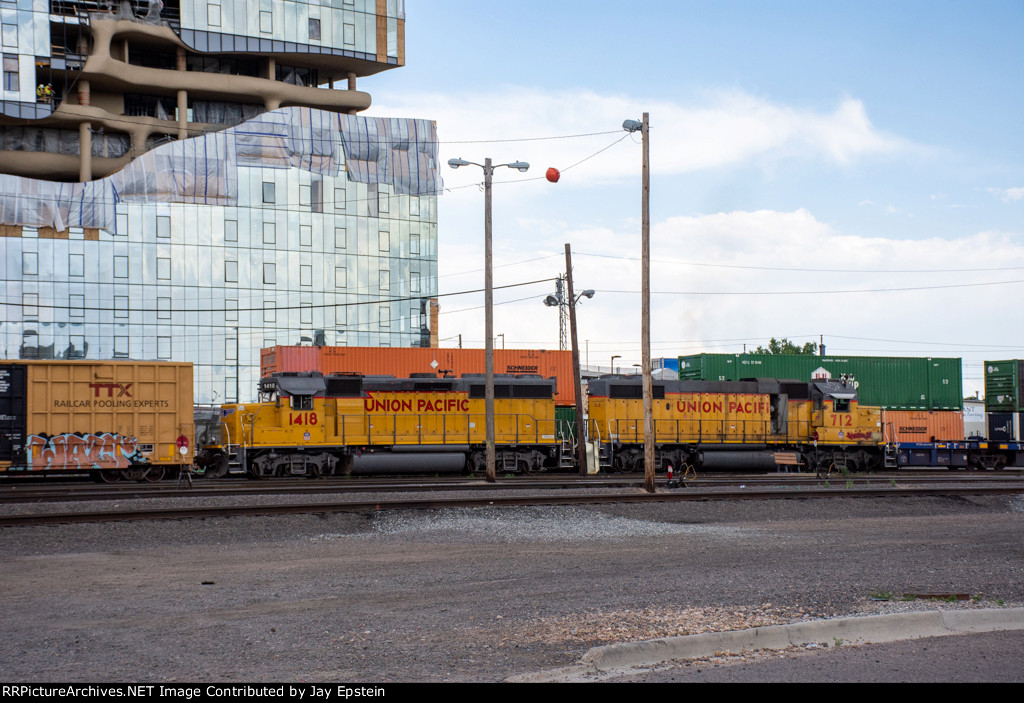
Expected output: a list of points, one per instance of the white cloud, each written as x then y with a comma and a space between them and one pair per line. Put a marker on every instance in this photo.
1008, 194
725, 129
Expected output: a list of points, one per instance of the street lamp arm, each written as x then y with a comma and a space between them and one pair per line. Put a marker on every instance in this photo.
521, 166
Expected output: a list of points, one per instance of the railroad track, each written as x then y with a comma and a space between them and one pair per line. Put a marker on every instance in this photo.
67, 492
686, 493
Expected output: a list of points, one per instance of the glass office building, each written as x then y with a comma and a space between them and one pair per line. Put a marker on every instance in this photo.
194, 183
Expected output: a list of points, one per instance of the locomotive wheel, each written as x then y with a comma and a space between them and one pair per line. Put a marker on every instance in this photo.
632, 463
217, 469
154, 475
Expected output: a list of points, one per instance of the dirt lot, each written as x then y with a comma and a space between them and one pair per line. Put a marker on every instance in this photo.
471, 595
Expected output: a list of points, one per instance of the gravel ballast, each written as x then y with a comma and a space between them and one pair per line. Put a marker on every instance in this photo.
474, 594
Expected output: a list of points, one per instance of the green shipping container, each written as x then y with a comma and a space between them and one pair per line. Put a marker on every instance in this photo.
565, 417
1004, 386
892, 382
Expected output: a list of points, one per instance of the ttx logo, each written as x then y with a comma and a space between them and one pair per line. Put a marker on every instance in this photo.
121, 388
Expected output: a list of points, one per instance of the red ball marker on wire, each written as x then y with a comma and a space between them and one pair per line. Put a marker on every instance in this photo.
552, 174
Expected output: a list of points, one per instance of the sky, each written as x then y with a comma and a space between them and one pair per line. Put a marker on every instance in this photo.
852, 172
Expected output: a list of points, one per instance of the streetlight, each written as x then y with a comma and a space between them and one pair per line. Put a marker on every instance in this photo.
570, 302
614, 357
560, 300
488, 168
644, 128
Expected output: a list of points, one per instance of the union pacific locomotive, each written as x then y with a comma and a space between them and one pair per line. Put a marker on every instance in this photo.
751, 424
310, 424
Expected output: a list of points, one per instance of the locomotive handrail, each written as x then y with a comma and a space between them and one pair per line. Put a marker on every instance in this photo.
373, 435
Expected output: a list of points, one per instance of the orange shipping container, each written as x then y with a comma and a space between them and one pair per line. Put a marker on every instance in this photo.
923, 425
403, 361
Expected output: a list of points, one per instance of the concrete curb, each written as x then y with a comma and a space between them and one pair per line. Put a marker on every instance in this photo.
605, 661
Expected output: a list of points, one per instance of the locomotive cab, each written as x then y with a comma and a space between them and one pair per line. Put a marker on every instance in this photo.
848, 432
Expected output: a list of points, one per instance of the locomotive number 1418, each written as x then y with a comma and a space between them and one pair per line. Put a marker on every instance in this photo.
302, 418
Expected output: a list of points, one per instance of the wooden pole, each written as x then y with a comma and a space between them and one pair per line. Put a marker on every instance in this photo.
581, 444
645, 332
489, 325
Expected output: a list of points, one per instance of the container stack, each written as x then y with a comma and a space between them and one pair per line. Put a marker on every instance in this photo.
1004, 391
921, 398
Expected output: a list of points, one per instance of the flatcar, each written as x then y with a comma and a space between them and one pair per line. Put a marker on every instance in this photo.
308, 424
735, 424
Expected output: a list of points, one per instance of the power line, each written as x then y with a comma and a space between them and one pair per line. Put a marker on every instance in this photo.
820, 292
300, 307
539, 178
804, 270
530, 139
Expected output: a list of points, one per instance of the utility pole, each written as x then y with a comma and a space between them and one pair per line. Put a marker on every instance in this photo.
645, 332
561, 312
488, 167
581, 444
490, 453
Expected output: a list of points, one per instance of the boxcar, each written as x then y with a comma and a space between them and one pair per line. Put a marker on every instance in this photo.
113, 419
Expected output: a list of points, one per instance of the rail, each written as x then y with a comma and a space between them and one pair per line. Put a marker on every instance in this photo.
693, 431
433, 429
631, 431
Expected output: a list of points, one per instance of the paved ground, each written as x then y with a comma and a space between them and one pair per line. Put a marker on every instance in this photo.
476, 595
976, 658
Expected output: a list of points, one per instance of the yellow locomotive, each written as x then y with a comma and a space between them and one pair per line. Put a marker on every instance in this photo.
735, 424
307, 424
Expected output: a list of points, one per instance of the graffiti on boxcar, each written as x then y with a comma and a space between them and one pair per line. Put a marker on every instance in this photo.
76, 451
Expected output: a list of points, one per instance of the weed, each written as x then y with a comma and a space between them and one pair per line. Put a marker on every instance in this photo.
892, 483
849, 484
881, 595
1000, 602
909, 597
838, 641
827, 484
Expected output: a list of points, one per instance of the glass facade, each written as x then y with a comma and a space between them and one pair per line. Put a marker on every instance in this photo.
208, 284
334, 24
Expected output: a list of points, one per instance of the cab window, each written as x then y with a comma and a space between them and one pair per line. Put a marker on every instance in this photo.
302, 402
